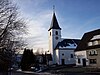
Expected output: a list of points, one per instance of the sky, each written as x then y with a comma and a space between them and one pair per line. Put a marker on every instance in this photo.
75, 17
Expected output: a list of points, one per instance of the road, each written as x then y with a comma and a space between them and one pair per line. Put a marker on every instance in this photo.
32, 73
29, 73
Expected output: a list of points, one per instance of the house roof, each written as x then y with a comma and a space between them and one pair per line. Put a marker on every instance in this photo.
86, 38
68, 43
54, 23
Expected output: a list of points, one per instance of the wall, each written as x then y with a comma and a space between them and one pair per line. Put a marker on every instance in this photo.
81, 55
53, 42
67, 56
97, 57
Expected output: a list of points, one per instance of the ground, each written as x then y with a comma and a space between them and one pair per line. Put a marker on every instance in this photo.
23, 73
61, 70
66, 71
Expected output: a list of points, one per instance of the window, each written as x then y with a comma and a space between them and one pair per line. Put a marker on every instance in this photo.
93, 53
95, 42
50, 33
79, 61
71, 55
56, 38
56, 32
99, 42
90, 52
62, 54
90, 44
93, 61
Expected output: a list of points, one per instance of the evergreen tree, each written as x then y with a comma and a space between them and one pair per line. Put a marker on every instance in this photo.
28, 59
44, 59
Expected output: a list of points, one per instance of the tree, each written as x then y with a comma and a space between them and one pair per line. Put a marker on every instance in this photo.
28, 59
44, 59
11, 28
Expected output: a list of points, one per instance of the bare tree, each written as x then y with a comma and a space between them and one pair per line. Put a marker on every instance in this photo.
11, 28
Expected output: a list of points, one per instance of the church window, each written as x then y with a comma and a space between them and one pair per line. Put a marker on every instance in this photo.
56, 38
62, 54
56, 32
50, 33
71, 55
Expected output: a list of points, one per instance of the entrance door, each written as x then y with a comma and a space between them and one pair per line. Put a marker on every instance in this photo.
84, 62
63, 61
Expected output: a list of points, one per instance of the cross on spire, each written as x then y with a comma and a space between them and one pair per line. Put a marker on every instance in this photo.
53, 8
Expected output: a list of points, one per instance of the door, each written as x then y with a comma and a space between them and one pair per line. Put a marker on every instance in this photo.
63, 61
84, 62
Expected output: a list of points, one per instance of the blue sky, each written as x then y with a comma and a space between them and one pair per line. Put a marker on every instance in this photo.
75, 17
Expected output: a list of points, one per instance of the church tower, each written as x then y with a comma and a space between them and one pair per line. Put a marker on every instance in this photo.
54, 36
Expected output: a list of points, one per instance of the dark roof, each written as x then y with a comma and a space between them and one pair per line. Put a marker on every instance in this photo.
86, 38
67, 42
54, 23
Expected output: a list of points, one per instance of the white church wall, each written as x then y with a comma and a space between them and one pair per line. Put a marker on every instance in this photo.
66, 55
80, 55
53, 42
57, 56
52, 38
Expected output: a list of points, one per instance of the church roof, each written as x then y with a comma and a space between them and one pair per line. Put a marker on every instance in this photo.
54, 23
83, 45
68, 43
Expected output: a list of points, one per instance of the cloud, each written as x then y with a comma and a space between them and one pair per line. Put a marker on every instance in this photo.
38, 21
38, 30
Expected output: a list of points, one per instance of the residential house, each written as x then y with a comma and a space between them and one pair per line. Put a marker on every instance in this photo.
88, 51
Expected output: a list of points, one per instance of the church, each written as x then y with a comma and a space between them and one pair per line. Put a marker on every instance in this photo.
61, 49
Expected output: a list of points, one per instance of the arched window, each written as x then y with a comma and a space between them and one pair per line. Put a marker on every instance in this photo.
50, 33
95, 52
56, 38
56, 32
90, 52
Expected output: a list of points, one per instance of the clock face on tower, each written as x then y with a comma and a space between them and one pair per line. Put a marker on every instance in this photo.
56, 38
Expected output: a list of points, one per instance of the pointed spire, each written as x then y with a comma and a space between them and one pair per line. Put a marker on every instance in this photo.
54, 23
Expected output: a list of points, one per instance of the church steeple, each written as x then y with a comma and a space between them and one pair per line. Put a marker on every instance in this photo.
54, 36
54, 23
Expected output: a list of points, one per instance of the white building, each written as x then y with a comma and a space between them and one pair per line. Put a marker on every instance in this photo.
62, 50
81, 58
